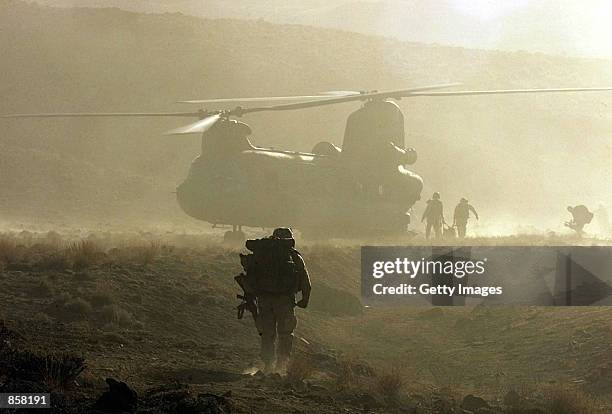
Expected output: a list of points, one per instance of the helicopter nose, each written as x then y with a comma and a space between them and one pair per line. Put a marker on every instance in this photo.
412, 185
187, 198
417, 183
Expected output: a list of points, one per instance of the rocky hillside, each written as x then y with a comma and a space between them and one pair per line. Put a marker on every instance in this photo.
157, 311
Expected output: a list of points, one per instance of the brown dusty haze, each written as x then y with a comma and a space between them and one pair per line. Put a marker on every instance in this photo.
519, 159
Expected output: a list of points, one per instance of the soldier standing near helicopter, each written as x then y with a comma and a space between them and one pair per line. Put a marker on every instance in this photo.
461, 216
434, 214
581, 216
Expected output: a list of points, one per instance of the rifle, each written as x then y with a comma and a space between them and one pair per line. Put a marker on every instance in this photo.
249, 301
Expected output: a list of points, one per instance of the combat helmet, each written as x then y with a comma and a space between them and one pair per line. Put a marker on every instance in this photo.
282, 233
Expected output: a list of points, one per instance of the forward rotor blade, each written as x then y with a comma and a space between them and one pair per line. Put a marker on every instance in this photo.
341, 93
102, 114
399, 93
197, 127
256, 99
508, 92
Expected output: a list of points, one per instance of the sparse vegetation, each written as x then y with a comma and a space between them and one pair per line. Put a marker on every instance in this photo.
101, 298
39, 372
144, 255
42, 288
183, 300
389, 383
77, 308
58, 260
42, 318
115, 315
84, 254
9, 253
568, 400
88, 380
346, 377
113, 337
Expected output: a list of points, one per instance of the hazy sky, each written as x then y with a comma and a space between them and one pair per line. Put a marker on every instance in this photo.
561, 26
570, 27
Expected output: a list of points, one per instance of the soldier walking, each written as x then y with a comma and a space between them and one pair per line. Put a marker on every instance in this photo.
581, 216
434, 214
462, 215
275, 273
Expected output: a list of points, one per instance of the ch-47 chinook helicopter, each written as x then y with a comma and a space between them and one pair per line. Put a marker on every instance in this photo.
362, 189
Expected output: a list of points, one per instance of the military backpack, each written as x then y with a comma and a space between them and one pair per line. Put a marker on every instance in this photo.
270, 267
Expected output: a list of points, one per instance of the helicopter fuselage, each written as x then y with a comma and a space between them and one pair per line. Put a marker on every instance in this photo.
364, 189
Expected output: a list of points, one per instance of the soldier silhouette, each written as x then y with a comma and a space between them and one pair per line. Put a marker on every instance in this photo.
581, 216
462, 215
276, 307
434, 214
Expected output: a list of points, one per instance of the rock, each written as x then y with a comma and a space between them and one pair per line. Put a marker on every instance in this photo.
213, 404
472, 403
119, 397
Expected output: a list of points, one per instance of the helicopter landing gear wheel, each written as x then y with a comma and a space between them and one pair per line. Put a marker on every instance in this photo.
234, 237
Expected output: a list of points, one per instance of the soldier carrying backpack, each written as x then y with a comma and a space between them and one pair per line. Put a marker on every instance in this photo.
581, 216
274, 273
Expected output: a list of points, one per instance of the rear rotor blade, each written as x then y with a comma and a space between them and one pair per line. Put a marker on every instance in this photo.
416, 92
196, 127
399, 93
507, 92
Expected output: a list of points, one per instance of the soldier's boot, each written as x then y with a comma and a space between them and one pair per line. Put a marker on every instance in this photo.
438, 231
267, 352
285, 346
461, 229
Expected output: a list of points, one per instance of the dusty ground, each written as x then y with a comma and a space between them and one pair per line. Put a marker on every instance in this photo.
156, 311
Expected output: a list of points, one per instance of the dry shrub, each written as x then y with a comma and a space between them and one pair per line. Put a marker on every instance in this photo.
566, 400
60, 372
43, 371
59, 261
89, 380
101, 297
112, 337
77, 308
145, 255
9, 252
61, 298
300, 368
42, 289
390, 383
115, 315
42, 318
347, 376
84, 254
